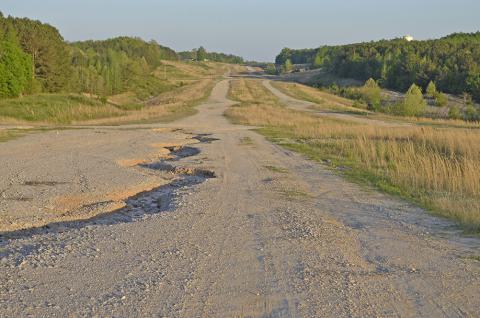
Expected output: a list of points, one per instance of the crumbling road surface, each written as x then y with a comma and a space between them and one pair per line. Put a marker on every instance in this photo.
228, 225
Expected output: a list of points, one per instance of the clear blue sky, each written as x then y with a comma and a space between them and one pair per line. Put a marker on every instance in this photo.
254, 29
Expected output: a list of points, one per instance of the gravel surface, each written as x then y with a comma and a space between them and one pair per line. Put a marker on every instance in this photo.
220, 233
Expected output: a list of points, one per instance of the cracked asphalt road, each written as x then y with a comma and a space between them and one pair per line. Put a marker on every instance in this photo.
296, 240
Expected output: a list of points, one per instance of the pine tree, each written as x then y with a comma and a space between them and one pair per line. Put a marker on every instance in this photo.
431, 90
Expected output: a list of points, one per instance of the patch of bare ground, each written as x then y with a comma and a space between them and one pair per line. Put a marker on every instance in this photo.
85, 184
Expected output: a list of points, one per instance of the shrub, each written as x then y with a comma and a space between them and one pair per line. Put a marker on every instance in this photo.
471, 113
413, 104
372, 94
441, 99
454, 113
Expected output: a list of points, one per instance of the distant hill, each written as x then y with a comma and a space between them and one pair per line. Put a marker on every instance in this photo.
453, 62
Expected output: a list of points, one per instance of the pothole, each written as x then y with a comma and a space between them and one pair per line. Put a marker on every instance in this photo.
179, 152
188, 171
194, 172
205, 138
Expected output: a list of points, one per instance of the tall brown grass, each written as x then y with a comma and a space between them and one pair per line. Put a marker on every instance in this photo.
438, 167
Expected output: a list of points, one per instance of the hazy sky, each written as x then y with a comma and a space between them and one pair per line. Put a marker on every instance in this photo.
254, 29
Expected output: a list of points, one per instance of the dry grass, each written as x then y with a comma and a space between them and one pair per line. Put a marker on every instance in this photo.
314, 95
166, 107
326, 101
186, 85
251, 92
437, 167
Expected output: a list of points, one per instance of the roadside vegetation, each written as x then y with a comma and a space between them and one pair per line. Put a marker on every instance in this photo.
394, 73
45, 80
438, 168
328, 100
453, 62
56, 108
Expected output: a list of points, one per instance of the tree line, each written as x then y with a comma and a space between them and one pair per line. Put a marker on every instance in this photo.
34, 58
452, 62
201, 54
116, 65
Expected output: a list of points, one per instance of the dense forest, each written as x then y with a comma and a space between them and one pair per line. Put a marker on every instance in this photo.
34, 58
452, 62
117, 65
201, 54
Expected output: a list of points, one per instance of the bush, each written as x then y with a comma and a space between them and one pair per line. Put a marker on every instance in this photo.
413, 104
454, 113
103, 100
358, 104
441, 99
372, 94
471, 113
271, 69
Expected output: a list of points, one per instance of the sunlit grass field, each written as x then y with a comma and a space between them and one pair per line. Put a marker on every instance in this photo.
436, 167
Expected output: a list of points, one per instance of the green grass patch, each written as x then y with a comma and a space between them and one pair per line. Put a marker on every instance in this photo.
56, 108
146, 87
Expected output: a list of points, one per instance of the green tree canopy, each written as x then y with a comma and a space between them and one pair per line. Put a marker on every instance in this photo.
452, 62
48, 51
372, 93
213, 56
288, 66
413, 104
15, 65
201, 54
